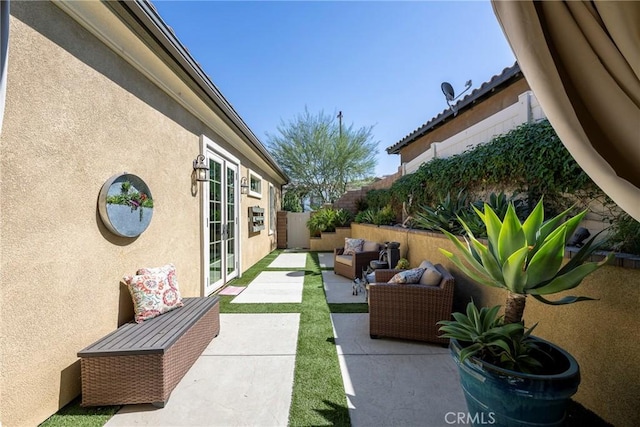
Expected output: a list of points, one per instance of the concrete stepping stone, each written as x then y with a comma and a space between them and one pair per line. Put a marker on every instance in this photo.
289, 260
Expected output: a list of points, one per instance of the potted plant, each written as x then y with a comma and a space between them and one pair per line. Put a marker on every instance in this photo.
403, 264
508, 375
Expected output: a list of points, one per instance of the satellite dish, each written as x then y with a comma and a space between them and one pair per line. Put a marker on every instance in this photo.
447, 89
449, 94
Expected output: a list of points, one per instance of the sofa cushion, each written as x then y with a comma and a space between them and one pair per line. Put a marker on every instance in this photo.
410, 277
370, 246
351, 246
431, 276
344, 259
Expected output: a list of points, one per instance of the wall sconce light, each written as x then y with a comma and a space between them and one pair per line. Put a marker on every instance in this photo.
200, 169
244, 187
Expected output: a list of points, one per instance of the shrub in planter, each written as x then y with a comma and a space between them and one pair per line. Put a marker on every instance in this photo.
327, 219
384, 216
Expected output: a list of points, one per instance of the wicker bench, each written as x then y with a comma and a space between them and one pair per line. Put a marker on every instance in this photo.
143, 362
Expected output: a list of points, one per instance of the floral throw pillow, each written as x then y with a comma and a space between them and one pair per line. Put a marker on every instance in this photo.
351, 246
168, 269
152, 295
408, 276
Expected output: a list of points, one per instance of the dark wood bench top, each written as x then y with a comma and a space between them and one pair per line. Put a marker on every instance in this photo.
155, 335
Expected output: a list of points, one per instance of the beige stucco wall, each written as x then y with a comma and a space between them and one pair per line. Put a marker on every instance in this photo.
256, 245
76, 114
601, 335
327, 242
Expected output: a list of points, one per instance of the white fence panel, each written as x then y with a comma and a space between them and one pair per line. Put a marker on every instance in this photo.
297, 231
527, 109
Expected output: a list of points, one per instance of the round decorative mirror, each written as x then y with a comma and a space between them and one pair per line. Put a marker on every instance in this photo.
125, 205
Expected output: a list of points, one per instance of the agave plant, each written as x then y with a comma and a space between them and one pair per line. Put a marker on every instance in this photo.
525, 258
445, 214
383, 216
343, 218
365, 217
500, 203
506, 345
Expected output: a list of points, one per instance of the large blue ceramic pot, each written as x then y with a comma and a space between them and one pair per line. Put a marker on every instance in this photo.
501, 397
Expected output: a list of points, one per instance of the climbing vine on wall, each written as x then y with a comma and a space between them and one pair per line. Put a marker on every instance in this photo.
529, 159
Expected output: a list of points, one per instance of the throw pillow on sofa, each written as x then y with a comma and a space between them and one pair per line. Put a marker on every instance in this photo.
351, 246
370, 246
409, 277
431, 276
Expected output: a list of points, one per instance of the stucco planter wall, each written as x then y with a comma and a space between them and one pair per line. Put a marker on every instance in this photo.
596, 333
328, 241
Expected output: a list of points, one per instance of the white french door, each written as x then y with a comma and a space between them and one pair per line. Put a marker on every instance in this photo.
220, 220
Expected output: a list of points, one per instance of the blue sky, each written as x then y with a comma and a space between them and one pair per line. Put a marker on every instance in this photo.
380, 63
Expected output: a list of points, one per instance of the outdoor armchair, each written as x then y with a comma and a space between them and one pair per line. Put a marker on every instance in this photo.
351, 266
409, 311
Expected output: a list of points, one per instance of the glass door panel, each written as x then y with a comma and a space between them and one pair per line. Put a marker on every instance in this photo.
222, 222
215, 224
232, 265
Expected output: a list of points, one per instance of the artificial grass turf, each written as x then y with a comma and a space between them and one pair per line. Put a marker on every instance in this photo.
318, 392
74, 415
349, 308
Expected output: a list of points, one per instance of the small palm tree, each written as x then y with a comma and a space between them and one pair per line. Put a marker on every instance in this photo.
525, 258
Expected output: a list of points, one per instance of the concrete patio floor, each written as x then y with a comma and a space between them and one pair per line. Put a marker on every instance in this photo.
245, 376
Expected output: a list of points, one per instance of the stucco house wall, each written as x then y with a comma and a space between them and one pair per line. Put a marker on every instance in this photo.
77, 112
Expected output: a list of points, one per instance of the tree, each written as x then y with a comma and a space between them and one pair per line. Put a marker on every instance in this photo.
319, 157
291, 201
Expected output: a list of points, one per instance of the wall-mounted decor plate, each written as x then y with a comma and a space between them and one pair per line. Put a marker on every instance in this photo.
125, 205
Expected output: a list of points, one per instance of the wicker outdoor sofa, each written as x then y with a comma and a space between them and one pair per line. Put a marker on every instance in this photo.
143, 362
409, 311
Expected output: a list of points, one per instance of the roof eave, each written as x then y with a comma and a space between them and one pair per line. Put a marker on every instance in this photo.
466, 103
145, 12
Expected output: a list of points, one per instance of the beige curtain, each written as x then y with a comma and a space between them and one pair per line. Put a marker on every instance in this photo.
582, 61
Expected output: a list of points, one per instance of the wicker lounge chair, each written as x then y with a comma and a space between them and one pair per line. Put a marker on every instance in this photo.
409, 311
351, 266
